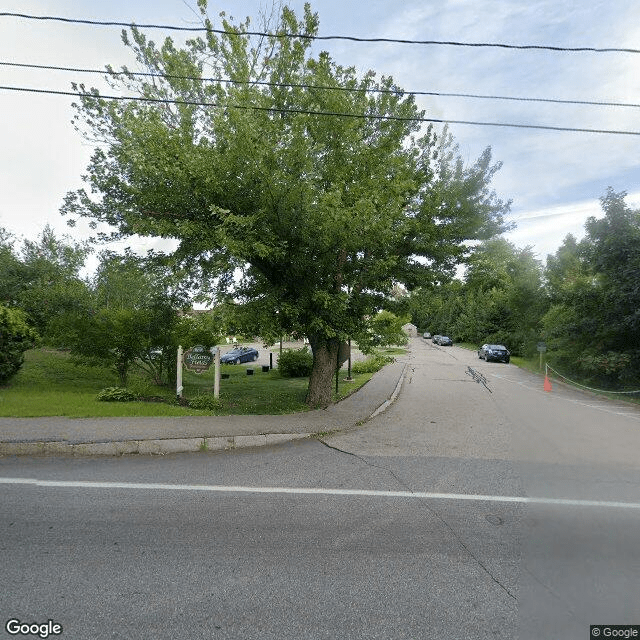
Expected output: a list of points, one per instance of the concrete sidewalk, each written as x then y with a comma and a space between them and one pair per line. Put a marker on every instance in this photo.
160, 435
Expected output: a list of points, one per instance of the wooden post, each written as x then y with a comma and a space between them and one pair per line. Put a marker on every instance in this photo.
349, 378
179, 386
216, 381
337, 367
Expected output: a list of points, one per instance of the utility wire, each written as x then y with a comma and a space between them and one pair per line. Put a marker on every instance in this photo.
305, 36
292, 85
314, 113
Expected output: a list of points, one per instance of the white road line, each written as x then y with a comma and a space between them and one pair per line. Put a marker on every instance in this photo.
423, 495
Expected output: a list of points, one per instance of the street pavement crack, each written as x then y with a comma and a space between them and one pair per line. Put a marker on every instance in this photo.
433, 511
549, 590
466, 548
403, 484
478, 377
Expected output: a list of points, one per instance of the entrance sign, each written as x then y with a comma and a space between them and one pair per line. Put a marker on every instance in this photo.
197, 359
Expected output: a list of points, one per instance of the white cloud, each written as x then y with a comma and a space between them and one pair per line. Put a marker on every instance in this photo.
546, 228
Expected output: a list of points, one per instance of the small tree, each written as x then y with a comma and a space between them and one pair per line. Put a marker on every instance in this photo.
52, 289
16, 336
386, 330
134, 313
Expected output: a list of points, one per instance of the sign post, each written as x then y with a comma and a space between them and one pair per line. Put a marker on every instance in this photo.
542, 348
197, 359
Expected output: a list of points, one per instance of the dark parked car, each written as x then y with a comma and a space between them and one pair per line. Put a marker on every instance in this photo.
240, 354
445, 341
496, 352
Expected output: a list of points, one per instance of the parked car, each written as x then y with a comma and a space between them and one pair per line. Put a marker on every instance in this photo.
496, 352
435, 339
240, 354
426, 335
445, 341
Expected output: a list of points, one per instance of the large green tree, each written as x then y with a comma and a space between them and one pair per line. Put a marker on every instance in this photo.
505, 299
293, 184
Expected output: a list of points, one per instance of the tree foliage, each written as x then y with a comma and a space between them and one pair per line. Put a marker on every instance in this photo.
593, 325
320, 214
43, 279
16, 337
133, 319
501, 299
386, 330
585, 303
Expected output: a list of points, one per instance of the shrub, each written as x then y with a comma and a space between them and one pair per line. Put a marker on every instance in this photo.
372, 364
205, 401
295, 363
116, 394
16, 336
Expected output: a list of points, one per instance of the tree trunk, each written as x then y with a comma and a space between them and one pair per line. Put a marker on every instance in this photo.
122, 368
325, 354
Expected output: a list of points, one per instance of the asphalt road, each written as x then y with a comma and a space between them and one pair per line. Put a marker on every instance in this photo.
441, 518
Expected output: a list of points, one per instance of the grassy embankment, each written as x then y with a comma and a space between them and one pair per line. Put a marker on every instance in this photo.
49, 384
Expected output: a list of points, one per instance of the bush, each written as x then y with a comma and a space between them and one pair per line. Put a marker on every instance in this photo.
16, 336
295, 363
116, 394
372, 364
205, 401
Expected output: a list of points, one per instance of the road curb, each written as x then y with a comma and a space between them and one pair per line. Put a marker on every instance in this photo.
159, 446
387, 403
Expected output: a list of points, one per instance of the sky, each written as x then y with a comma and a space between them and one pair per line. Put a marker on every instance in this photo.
554, 178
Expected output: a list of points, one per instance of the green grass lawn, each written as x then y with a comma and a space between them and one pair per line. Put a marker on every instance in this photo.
49, 384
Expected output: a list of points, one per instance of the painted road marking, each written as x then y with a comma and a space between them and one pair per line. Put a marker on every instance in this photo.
424, 495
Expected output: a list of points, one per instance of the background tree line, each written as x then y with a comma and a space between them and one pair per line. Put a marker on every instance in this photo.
584, 302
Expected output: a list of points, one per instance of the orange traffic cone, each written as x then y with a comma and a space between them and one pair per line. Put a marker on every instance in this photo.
547, 383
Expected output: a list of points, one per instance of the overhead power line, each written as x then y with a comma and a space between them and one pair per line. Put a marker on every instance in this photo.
305, 36
292, 85
198, 103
